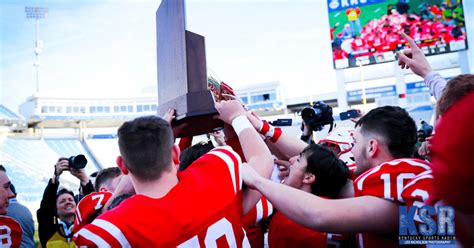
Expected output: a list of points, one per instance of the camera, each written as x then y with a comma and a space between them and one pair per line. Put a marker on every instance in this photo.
281, 122
317, 116
348, 114
77, 162
425, 131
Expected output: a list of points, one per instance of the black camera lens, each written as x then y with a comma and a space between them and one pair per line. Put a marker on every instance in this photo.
317, 115
77, 162
310, 113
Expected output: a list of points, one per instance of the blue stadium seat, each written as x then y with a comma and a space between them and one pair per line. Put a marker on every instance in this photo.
7, 114
30, 164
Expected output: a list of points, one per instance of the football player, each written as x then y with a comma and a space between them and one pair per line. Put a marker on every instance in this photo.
94, 204
172, 209
10, 230
384, 141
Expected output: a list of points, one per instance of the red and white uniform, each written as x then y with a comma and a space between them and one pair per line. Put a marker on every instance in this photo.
283, 232
10, 232
352, 168
254, 222
391, 181
203, 210
418, 190
89, 208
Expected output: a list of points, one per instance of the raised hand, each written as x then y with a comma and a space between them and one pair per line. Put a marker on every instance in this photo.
60, 166
414, 59
80, 174
228, 110
170, 115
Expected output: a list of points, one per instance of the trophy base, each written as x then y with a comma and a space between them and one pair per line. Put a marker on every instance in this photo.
195, 114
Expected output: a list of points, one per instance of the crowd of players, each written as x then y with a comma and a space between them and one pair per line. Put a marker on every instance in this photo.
262, 180
434, 25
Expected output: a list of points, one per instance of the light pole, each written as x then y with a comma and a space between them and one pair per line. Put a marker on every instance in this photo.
37, 13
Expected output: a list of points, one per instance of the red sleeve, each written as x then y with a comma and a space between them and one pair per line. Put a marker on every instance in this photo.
185, 142
352, 168
254, 222
89, 208
10, 232
100, 233
388, 179
418, 190
233, 162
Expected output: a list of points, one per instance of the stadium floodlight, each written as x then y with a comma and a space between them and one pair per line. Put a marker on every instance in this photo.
37, 13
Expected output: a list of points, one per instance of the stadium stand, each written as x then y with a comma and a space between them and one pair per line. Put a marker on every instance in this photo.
72, 147
30, 164
7, 114
10, 121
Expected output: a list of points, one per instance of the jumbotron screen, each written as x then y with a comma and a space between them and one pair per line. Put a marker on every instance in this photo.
367, 32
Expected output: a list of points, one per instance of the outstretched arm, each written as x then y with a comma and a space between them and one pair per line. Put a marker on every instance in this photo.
256, 152
415, 59
352, 215
287, 145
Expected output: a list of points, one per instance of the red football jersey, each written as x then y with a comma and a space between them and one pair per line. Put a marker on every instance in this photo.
89, 208
352, 168
253, 222
203, 210
10, 232
283, 232
418, 190
388, 181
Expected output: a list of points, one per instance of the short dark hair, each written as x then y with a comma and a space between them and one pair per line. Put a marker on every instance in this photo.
3, 168
191, 154
64, 191
145, 144
394, 126
331, 172
105, 176
13, 189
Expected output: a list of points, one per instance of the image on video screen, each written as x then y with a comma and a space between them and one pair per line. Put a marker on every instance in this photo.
367, 32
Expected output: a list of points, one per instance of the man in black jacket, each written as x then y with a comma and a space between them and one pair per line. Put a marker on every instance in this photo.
56, 212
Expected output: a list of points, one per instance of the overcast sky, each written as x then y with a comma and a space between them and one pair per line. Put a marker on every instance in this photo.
108, 48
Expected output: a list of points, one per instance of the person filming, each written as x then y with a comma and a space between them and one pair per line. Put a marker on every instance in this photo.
56, 212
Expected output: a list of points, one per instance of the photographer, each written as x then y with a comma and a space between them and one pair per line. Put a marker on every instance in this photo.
56, 212
307, 134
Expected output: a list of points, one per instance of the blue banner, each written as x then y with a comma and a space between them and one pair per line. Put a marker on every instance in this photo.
336, 5
372, 93
417, 87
